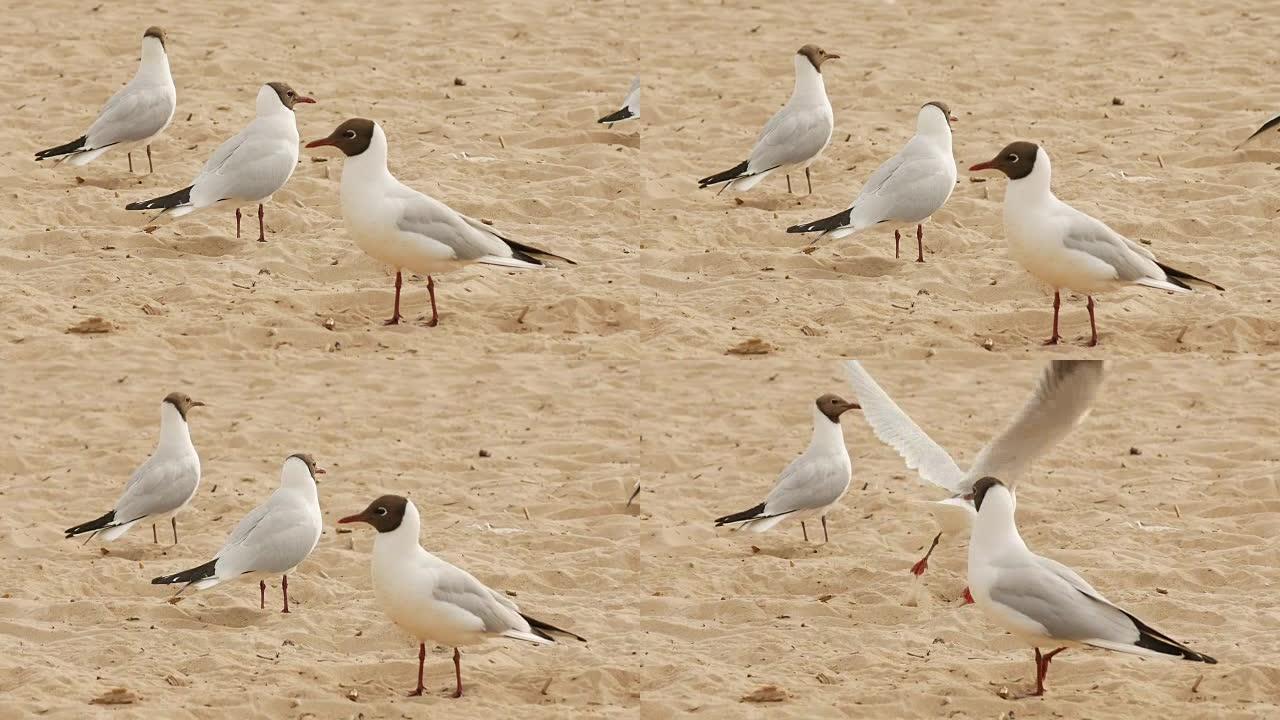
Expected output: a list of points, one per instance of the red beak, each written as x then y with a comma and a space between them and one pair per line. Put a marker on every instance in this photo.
320, 143
304, 99
358, 517
320, 471
952, 118
988, 165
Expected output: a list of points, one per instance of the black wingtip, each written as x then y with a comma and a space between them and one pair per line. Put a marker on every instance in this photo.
751, 514
1176, 277
164, 202
1265, 127
613, 117
1152, 639
541, 629
529, 253
92, 525
731, 174
827, 224
64, 149
200, 572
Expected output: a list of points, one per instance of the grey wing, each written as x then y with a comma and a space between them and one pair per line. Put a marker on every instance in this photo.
907, 186
790, 137
1061, 401
632, 102
432, 219
898, 431
459, 588
253, 168
158, 487
1045, 598
273, 537
1094, 238
132, 114
808, 483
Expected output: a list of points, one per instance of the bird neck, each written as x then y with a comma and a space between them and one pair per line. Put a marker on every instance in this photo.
932, 125
155, 61
370, 165
1035, 185
827, 435
995, 530
296, 478
404, 537
810, 87
175, 434
268, 103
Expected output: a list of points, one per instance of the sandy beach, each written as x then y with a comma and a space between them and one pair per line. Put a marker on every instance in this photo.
521, 424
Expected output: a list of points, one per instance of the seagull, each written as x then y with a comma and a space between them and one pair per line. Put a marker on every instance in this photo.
795, 136
247, 168
1066, 248
1061, 401
162, 485
630, 107
405, 228
1044, 602
274, 537
435, 601
908, 188
134, 116
813, 483
1265, 127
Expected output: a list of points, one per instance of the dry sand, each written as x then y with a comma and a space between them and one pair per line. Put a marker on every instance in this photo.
574, 380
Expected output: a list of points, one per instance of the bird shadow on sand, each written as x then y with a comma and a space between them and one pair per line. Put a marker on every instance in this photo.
138, 553
788, 552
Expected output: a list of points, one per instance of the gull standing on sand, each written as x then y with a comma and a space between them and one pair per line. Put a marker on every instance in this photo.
249, 167
1043, 602
1061, 401
908, 188
161, 486
274, 537
435, 601
795, 136
813, 483
134, 116
630, 107
405, 228
1066, 248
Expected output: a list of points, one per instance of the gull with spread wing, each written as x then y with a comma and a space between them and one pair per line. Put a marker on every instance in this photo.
1061, 400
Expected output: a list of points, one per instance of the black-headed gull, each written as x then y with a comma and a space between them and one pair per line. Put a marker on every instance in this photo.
1066, 248
274, 537
907, 189
433, 600
1043, 602
795, 136
630, 107
812, 484
134, 116
1061, 401
248, 167
407, 229
162, 485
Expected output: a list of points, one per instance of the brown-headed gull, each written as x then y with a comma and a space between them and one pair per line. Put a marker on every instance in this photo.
246, 169
433, 600
137, 114
274, 537
1043, 602
795, 136
812, 484
162, 485
907, 189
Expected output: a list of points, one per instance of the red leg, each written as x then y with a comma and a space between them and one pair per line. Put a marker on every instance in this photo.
788, 184
805, 531
237, 222
897, 242
130, 162
1093, 324
919, 243
262, 232
150, 168
923, 564
457, 671
806, 179
1057, 303
1042, 668
155, 539
435, 314
825, 539
284, 588
174, 522
395, 316
968, 597
422, 660
262, 594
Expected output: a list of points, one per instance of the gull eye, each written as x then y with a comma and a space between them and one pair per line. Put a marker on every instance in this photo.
1012, 157
290, 93
349, 134
381, 511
